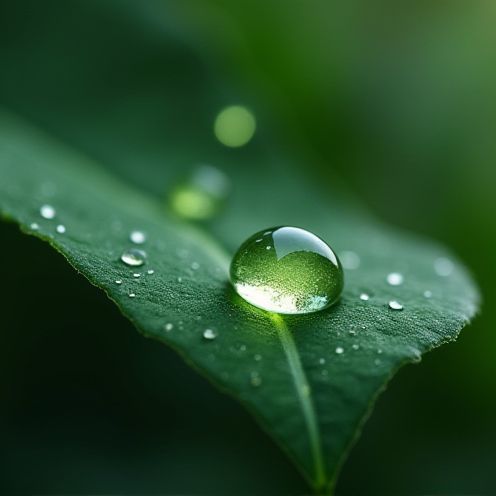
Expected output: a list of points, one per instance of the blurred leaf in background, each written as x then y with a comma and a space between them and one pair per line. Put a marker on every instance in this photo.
398, 100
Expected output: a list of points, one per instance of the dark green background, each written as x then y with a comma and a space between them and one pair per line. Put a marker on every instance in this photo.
400, 101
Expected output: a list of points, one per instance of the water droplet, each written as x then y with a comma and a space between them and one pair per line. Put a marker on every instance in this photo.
195, 265
395, 305
234, 126
352, 332
395, 279
60, 229
179, 279
47, 212
132, 295
427, 294
137, 237
134, 257
136, 274
355, 346
168, 327
364, 297
34, 226
339, 350
255, 379
257, 357
209, 334
349, 259
322, 361
150, 272
242, 347
300, 274
443, 266
118, 281
377, 361
201, 195
379, 351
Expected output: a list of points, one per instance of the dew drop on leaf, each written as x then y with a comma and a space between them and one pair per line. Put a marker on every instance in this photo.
395, 305
255, 379
150, 272
34, 226
427, 294
364, 297
395, 279
60, 229
168, 327
118, 281
47, 212
137, 237
339, 350
133, 257
299, 274
209, 334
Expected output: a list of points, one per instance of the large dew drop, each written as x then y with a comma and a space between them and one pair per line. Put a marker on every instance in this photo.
287, 270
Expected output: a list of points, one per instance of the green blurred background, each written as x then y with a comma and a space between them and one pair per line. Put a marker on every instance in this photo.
398, 100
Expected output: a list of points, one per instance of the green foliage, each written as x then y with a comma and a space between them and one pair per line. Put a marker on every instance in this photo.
285, 370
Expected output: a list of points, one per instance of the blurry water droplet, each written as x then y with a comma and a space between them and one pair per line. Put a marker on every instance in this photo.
47, 212
134, 257
349, 259
179, 279
234, 126
201, 195
364, 297
257, 357
132, 295
352, 332
395, 279
255, 379
324, 372
355, 346
268, 247
34, 226
168, 327
209, 334
150, 271
60, 229
443, 266
395, 305
242, 347
377, 361
195, 265
118, 281
339, 350
427, 294
379, 351
137, 237
322, 361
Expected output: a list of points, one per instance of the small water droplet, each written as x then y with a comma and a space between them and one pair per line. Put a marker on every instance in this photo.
443, 266
133, 257
427, 294
255, 379
364, 297
34, 226
168, 327
355, 346
209, 334
349, 259
195, 265
118, 281
339, 350
150, 272
300, 274
47, 212
242, 347
322, 361
136, 274
179, 279
268, 247
395, 279
137, 237
379, 351
60, 229
377, 361
257, 357
132, 295
395, 305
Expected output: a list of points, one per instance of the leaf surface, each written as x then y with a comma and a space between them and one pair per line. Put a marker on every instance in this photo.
147, 124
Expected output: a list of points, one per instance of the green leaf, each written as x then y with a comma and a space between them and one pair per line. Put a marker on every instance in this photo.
285, 370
